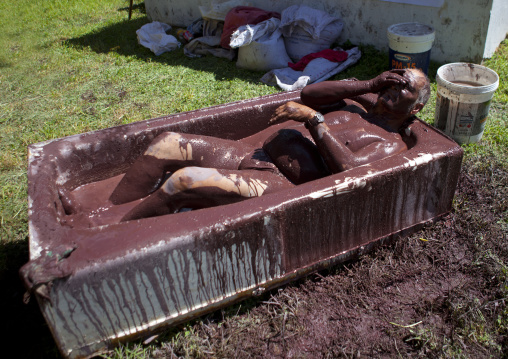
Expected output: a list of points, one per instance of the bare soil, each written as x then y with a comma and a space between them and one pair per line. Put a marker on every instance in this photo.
441, 292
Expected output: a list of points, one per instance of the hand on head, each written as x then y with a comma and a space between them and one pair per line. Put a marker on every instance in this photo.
388, 79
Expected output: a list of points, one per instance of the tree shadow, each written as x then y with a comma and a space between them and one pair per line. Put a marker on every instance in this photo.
121, 38
135, 7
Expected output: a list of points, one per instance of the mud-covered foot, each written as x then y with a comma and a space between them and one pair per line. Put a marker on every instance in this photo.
143, 178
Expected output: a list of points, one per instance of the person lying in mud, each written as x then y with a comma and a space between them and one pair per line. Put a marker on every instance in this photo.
361, 124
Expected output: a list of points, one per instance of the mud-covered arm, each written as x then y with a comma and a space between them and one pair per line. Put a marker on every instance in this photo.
362, 148
323, 96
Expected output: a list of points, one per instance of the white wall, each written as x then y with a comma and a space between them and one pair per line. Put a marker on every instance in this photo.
498, 27
461, 25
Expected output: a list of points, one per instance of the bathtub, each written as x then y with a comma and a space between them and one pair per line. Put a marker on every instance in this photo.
100, 285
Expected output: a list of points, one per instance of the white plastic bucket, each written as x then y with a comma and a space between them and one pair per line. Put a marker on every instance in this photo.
464, 92
410, 44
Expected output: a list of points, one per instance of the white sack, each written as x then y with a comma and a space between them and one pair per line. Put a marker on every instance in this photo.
261, 46
310, 20
307, 30
153, 36
263, 55
246, 34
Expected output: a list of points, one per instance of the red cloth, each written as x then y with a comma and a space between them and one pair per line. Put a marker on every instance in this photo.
243, 15
329, 54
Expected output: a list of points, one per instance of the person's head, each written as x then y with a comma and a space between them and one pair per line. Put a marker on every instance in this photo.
407, 99
423, 85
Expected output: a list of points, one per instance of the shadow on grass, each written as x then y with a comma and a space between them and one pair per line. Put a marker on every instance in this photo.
24, 331
5, 64
121, 38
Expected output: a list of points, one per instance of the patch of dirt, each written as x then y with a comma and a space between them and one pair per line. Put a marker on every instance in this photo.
441, 292
89, 97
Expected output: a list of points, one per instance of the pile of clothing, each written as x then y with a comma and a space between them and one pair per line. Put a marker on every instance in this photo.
293, 46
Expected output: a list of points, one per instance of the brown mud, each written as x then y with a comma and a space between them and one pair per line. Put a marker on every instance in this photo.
94, 207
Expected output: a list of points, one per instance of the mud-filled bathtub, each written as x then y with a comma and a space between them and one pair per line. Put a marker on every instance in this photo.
99, 285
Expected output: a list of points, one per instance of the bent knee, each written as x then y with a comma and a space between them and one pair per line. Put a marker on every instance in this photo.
190, 178
170, 146
214, 181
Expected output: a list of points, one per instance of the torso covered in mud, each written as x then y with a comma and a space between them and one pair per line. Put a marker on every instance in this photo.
292, 150
293, 153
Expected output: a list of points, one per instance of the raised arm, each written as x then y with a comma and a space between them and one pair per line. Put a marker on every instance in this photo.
327, 95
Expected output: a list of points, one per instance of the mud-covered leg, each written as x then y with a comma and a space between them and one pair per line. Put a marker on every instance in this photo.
142, 178
196, 187
171, 151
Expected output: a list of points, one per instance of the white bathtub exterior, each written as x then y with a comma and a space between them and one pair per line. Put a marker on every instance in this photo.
466, 30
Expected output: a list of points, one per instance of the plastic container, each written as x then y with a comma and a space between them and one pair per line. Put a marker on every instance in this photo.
410, 44
185, 35
464, 92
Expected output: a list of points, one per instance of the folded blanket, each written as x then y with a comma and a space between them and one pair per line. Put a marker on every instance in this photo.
317, 70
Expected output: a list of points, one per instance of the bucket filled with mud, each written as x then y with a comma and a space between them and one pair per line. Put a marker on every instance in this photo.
464, 93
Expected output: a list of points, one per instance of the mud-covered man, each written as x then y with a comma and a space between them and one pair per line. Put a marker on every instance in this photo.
361, 124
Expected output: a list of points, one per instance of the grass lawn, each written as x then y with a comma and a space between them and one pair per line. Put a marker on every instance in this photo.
72, 66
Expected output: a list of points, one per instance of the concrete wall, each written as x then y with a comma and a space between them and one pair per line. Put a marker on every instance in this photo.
498, 27
462, 26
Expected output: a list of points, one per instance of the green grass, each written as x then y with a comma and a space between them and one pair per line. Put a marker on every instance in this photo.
72, 66
495, 139
78, 67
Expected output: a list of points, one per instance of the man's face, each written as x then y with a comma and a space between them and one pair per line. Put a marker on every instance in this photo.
400, 99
